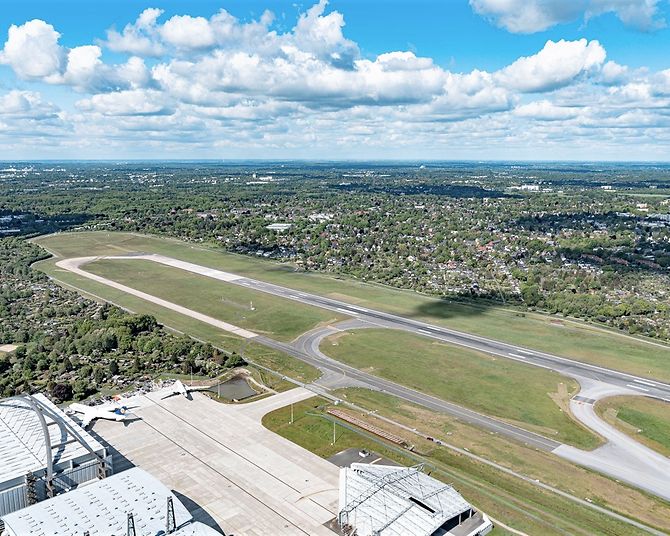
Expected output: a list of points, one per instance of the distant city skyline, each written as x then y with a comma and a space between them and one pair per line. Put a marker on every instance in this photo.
367, 80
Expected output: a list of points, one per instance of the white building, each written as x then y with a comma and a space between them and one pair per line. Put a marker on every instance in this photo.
43, 452
279, 226
131, 503
381, 500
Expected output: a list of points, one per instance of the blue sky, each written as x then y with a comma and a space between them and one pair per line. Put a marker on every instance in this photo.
481, 79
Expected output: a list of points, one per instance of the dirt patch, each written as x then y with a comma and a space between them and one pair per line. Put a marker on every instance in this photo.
326, 323
333, 339
561, 397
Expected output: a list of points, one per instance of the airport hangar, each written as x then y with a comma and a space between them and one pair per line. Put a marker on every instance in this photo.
43, 452
45, 456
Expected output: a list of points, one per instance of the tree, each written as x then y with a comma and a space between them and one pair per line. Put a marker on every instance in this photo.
81, 389
99, 375
62, 392
235, 360
531, 294
113, 367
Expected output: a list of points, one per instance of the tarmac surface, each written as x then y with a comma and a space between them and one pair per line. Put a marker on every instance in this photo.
622, 457
236, 475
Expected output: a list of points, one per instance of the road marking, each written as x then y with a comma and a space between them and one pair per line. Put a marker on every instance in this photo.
424, 331
527, 352
637, 387
644, 382
346, 311
517, 356
584, 399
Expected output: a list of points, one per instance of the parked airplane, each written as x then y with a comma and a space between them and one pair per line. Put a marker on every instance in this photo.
111, 412
178, 388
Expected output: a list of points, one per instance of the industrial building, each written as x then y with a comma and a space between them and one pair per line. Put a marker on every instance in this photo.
131, 503
43, 452
384, 500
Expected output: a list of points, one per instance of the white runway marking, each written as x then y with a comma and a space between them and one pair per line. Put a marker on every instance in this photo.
644, 382
637, 387
73, 266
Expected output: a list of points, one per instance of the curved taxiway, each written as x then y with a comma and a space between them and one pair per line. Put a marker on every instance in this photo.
621, 457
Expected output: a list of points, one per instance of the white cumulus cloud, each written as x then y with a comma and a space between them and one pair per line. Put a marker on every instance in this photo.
184, 31
32, 50
528, 16
556, 65
127, 103
189, 83
139, 38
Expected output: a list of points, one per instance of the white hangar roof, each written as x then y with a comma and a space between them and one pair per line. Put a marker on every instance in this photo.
102, 509
22, 445
396, 501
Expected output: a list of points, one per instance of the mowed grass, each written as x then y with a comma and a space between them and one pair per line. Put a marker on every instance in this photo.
531, 462
275, 360
532, 397
568, 338
516, 503
260, 312
645, 419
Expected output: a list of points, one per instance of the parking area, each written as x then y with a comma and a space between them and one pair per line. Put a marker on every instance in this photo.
346, 457
239, 476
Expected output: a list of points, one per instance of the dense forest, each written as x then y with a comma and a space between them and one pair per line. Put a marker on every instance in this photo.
73, 347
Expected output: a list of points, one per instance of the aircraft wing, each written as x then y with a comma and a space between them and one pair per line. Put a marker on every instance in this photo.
180, 388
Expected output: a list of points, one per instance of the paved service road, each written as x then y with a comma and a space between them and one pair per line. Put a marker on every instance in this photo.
622, 457
312, 355
569, 367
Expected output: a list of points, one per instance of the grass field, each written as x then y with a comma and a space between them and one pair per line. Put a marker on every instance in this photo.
280, 362
534, 463
275, 317
645, 419
516, 503
534, 398
541, 332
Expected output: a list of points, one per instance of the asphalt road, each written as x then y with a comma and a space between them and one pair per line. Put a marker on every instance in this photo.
622, 457
310, 353
568, 367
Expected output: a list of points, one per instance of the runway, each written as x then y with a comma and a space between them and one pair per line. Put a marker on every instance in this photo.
622, 457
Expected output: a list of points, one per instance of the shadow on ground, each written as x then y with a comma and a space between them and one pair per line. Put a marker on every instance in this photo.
199, 513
